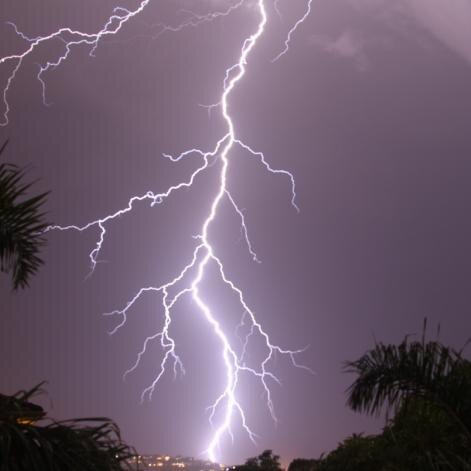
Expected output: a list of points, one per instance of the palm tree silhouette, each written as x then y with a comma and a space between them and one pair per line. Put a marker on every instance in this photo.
391, 376
21, 225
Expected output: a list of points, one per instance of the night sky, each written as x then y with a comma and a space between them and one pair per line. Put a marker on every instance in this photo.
370, 110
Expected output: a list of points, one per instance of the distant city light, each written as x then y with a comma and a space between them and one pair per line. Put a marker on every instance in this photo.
169, 463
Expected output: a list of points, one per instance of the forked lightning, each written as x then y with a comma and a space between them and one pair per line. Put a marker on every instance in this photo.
188, 280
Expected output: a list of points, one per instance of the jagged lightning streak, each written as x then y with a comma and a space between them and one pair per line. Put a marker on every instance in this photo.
293, 29
112, 26
72, 37
189, 279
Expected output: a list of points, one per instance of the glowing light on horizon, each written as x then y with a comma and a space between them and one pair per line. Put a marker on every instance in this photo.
204, 253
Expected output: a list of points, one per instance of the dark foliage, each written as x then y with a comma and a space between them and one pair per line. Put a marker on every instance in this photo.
90, 444
390, 375
21, 225
266, 461
302, 464
427, 388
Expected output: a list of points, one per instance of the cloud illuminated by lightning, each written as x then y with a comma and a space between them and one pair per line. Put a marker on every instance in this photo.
187, 281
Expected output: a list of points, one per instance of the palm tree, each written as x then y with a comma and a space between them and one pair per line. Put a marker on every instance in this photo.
30, 441
21, 225
428, 373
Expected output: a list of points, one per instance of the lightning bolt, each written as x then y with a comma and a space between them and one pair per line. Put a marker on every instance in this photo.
291, 32
187, 281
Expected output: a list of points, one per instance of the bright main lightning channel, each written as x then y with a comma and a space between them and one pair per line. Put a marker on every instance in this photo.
204, 253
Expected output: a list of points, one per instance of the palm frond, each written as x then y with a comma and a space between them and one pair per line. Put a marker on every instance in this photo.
21, 225
72, 445
389, 375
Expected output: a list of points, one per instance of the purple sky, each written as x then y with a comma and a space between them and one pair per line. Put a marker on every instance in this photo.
370, 110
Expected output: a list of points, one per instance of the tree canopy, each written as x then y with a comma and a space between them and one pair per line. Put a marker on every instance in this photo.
29, 440
266, 461
425, 389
